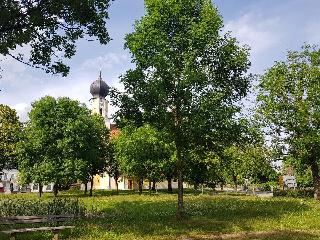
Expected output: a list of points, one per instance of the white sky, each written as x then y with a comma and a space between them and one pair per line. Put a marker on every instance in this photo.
269, 27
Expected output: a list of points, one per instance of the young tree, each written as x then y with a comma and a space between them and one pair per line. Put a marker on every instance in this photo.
90, 143
51, 29
289, 103
10, 128
187, 76
112, 164
142, 152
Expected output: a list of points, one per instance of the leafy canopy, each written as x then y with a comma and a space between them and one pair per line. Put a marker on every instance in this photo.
188, 75
62, 143
51, 29
289, 101
142, 152
10, 128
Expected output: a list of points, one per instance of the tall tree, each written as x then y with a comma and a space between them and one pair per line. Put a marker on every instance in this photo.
187, 77
10, 128
62, 142
51, 29
289, 103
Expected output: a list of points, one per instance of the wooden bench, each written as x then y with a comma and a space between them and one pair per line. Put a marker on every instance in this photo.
36, 219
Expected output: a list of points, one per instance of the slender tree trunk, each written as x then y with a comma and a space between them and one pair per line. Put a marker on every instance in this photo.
221, 186
153, 185
316, 179
86, 188
150, 186
91, 186
140, 185
181, 211
234, 178
55, 189
40, 190
179, 142
116, 177
169, 185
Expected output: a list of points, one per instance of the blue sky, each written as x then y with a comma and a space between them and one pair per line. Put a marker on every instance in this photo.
269, 27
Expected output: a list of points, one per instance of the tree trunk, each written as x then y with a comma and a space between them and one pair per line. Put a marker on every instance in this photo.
234, 178
40, 189
91, 186
140, 185
85, 188
153, 185
169, 185
316, 179
116, 177
181, 211
150, 183
55, 189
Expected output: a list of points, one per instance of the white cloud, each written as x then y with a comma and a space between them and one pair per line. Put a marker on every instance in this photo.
22, 110
252, 29
108, 61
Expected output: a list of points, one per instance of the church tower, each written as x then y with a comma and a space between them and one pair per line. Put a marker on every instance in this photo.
99, 104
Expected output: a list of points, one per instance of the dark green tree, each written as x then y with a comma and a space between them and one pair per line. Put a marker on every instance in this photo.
62, 142
10, 128
188, 75
51, 28
142, 153
289, 104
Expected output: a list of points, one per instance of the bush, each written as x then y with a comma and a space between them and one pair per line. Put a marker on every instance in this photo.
303, 193
57, 206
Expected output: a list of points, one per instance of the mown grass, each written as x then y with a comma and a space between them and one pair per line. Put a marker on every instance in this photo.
129, 216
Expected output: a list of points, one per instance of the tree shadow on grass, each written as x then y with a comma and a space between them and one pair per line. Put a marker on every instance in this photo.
207, 215
267, 235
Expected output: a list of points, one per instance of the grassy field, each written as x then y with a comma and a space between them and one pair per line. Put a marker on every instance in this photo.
130, 216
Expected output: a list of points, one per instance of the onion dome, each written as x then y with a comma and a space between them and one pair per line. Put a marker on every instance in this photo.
99, 88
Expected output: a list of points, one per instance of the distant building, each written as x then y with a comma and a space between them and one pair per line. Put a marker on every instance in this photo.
9, 183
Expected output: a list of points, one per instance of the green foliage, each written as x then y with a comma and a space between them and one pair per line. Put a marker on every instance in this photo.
187, 76
289, 103
51, 29
26, 207
10, 128
62, 142
142, 152
112, 164
304, 178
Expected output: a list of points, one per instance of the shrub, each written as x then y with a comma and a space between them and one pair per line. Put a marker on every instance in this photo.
302, 193
24, 207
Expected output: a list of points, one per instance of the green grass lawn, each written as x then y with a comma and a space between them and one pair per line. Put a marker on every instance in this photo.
129, 216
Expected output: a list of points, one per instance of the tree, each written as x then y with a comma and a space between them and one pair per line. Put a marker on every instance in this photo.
187, 76
289, 105
51, 29
112, 164
62, 142
142, 153
10, 128
91, 146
